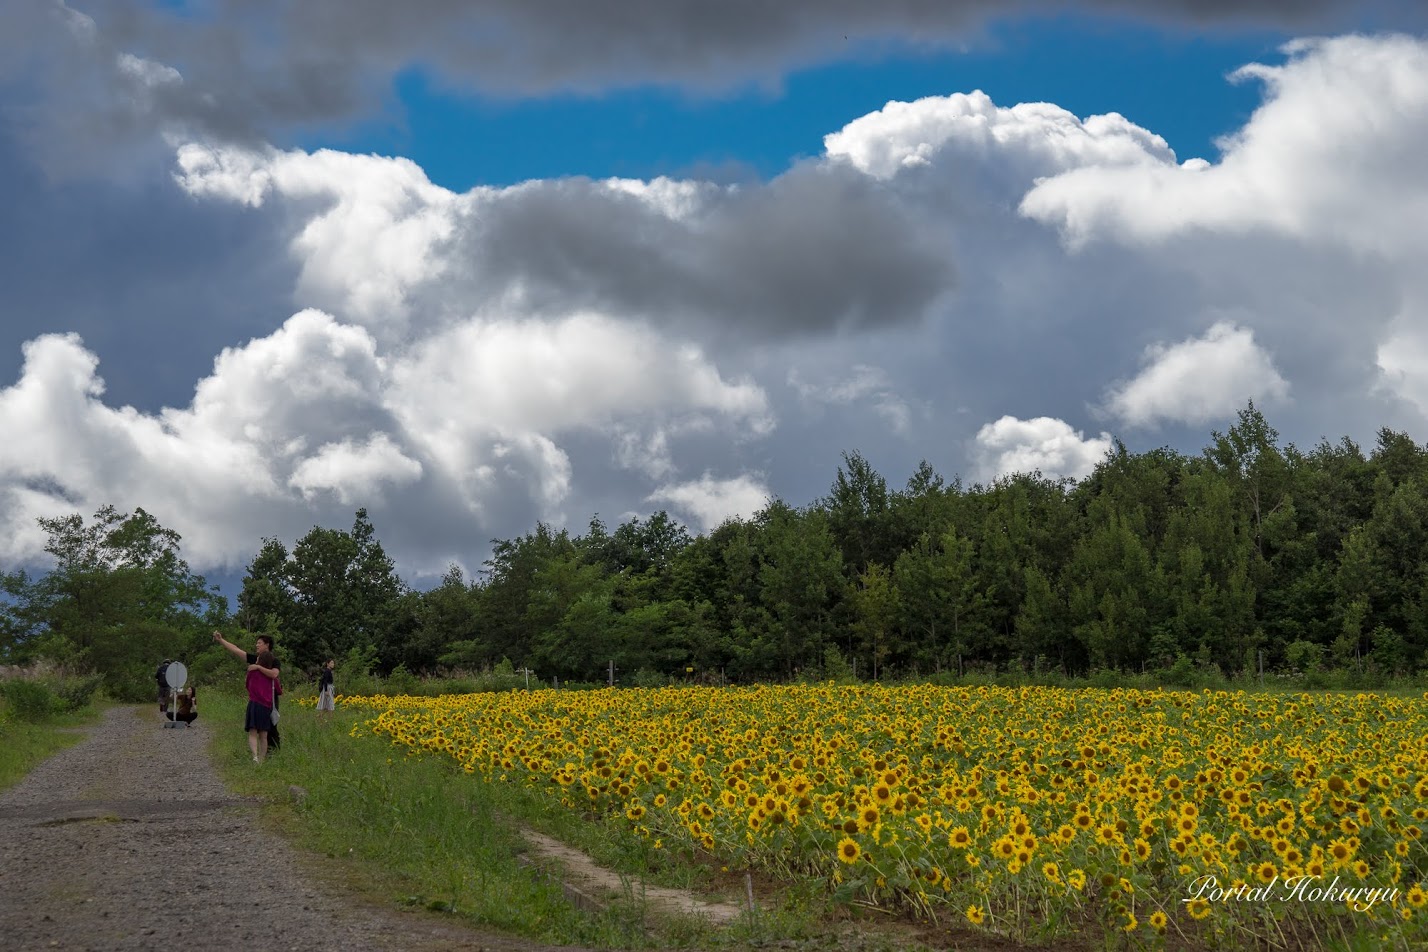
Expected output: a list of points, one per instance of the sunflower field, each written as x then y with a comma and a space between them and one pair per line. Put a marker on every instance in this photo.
1226, 818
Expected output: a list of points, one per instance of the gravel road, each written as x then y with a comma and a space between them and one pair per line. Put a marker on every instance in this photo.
129, 840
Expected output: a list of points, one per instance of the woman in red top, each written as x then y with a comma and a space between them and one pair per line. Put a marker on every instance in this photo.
262, 673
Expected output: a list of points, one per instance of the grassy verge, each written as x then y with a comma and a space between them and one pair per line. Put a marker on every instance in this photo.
413, 831
23, 745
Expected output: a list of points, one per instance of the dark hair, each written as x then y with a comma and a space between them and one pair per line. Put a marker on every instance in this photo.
268, 639
266, 660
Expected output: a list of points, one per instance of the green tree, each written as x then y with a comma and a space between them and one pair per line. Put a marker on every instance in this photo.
119, 598
876, 610
800, 577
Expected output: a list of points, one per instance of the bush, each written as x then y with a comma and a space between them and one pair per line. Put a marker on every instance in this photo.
73, 693
401, 681
648, 678
28, 700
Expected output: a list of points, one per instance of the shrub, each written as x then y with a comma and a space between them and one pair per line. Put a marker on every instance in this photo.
73, 693
28, 700
401, 681
649, 678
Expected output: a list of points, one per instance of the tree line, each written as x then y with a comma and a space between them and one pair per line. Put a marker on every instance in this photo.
1250, 555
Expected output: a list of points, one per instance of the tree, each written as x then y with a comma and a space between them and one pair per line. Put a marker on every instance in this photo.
858, 513
937, 589
266, 600
1248, 456
119, 594
338, 591
876, 610
800, 576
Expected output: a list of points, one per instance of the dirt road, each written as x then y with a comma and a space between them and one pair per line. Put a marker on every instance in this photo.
129, 840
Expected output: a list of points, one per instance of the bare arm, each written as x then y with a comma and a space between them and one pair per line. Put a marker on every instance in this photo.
232, 648
270, 673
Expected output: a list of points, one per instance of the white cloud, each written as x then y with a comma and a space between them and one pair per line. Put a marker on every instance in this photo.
1037, 138
355, 472
585, 370
375, 234
1334, 155
709, 501
314, 417
1403, 358
1044, 444
1200, 380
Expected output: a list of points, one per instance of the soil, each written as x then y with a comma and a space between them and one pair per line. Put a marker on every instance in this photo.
129, 840
588, 884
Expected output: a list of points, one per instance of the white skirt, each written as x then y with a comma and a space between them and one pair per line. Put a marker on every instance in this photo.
325, 701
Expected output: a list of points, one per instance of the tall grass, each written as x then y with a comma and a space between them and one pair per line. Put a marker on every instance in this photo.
28, 736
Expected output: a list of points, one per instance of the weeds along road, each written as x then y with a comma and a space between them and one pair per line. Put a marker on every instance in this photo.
129, 840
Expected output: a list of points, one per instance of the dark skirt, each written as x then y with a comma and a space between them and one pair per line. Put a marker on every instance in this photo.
259, 718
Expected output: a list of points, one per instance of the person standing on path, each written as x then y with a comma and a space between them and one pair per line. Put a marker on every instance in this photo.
326, 691
258, 720
161, 676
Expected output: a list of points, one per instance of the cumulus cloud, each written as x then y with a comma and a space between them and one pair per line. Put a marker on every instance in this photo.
1200, 380
819, 247
1330, 166
708, 501
1403, 358
312, 418
1037, 139
1334, 155
355, 472
1044, 444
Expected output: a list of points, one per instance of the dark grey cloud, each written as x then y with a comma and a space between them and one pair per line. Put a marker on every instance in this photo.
818, 248
249, 66
155, 283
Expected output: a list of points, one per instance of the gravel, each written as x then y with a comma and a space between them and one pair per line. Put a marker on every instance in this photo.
129, 840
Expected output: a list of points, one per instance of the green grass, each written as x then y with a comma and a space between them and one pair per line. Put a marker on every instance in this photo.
23, 745
413, 831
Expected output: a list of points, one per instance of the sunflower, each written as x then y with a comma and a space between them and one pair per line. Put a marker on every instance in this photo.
848, 850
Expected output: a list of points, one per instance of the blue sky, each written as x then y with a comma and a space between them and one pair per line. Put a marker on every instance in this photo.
474, 265
1167, 79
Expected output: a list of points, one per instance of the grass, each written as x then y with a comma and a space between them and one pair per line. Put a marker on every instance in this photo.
413, 831
23, 745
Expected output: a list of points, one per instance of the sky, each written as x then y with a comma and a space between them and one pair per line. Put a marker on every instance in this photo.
477, 265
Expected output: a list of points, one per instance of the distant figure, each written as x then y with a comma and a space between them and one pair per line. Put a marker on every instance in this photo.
327, 691
161, 676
